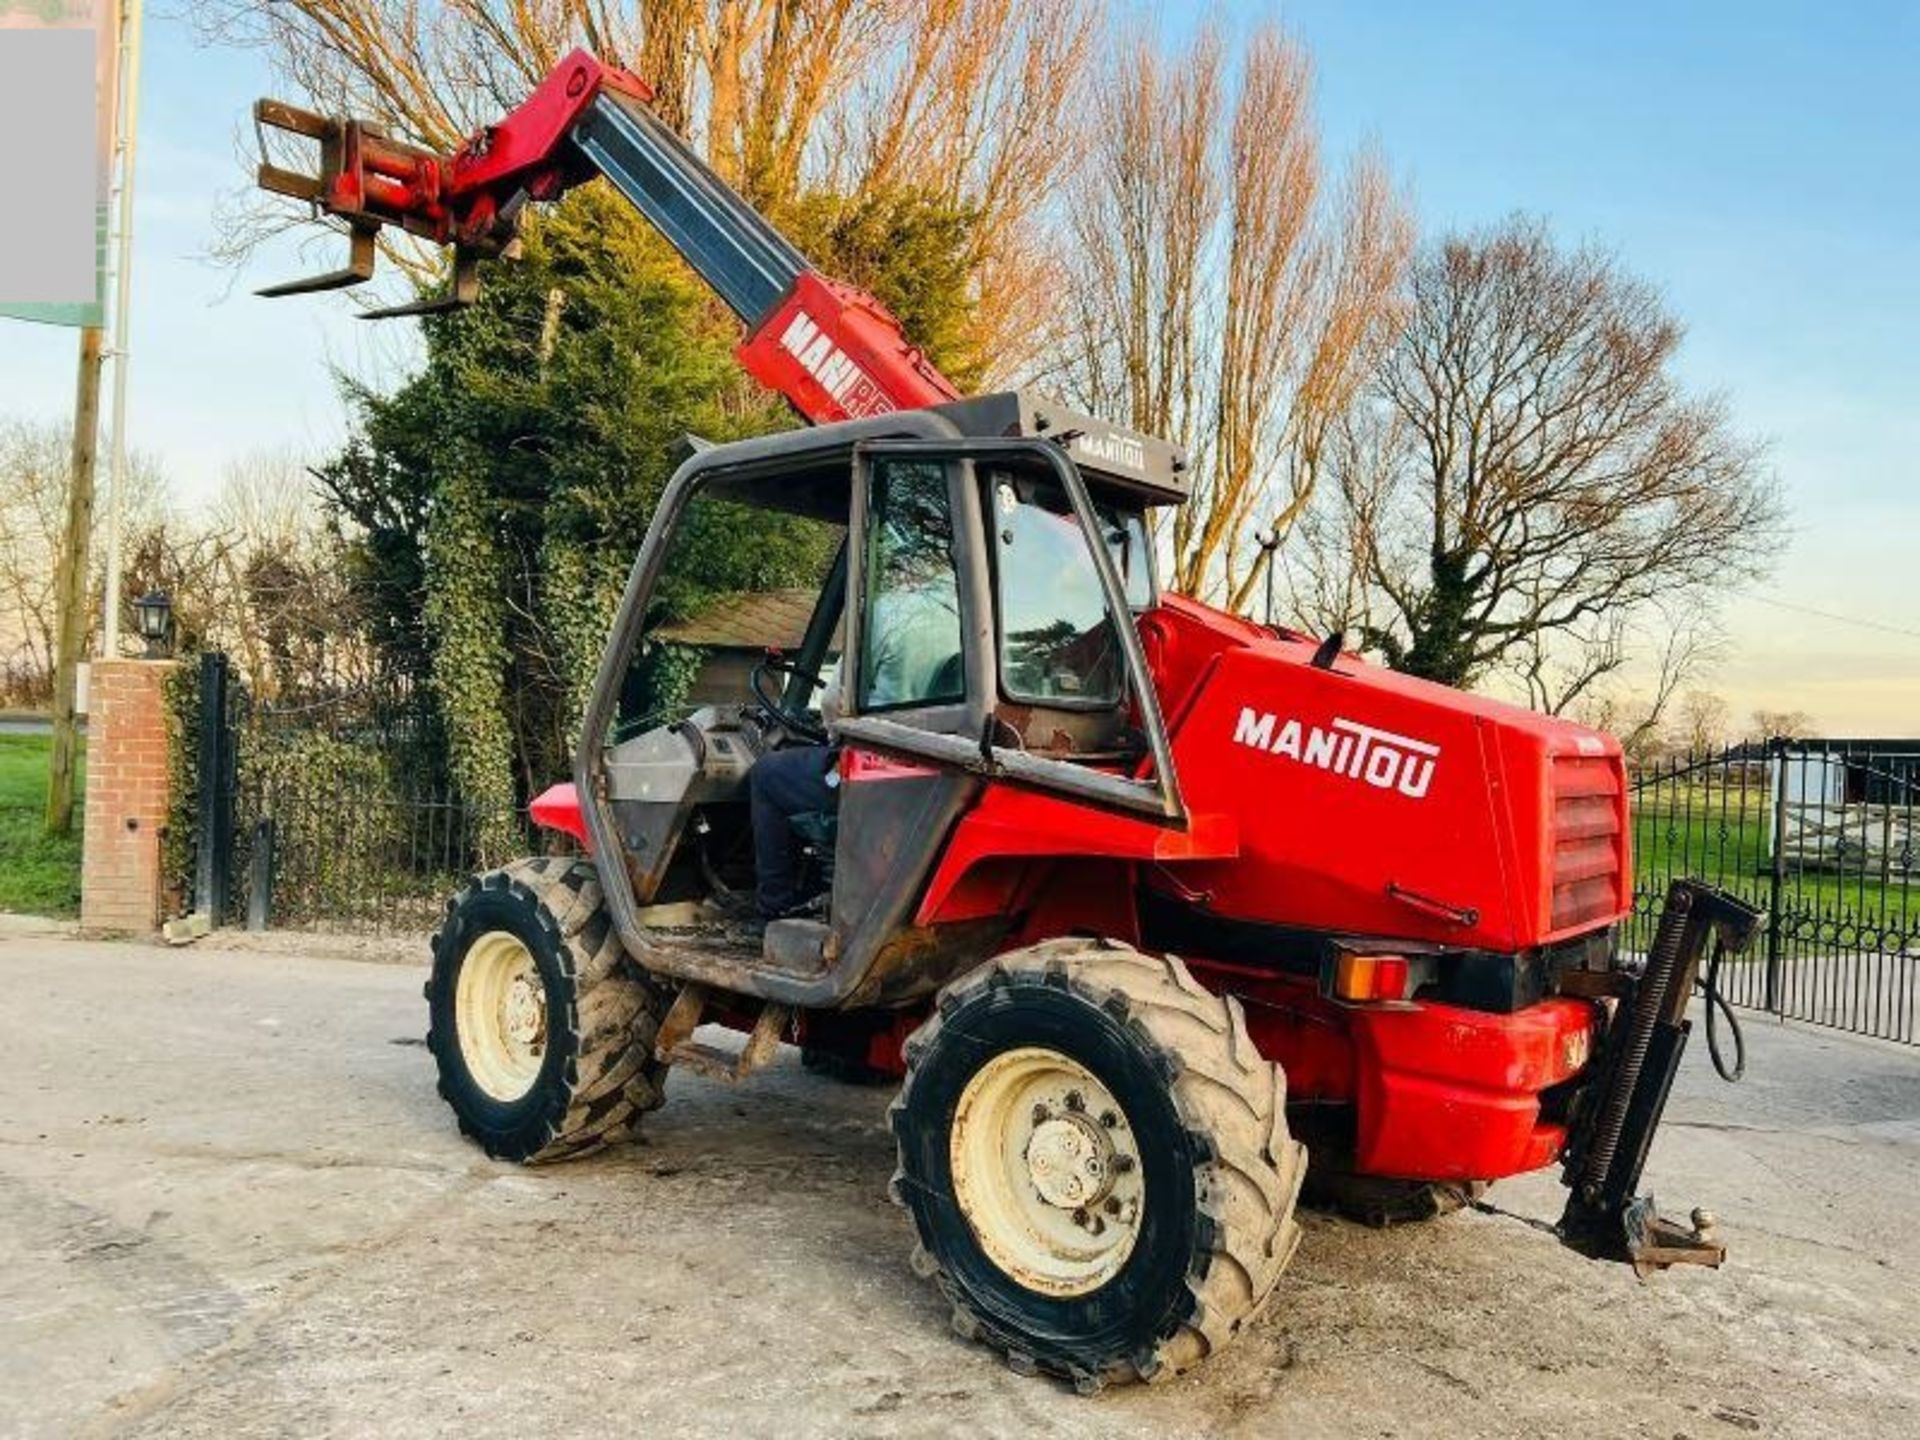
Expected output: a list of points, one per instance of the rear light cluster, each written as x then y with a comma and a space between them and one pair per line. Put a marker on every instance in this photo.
1589, 841
1370, 977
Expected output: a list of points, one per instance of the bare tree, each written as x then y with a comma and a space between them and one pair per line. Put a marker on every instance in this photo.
276, 597
982, 103
268, 503
1624, 676
258, 574
1630, 718
1227, 293
189, 563
975, 101
1537, 494
1704, 722
1783, 724
35, 473
1634, 661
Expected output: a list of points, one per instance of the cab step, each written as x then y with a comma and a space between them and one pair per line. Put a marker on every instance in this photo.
675, 1044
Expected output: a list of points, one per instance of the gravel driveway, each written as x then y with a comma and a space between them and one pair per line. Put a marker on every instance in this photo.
231, 1204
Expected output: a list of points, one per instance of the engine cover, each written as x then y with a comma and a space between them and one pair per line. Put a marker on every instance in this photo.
1374, 803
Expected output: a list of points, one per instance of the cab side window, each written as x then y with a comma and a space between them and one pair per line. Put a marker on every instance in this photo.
910, 652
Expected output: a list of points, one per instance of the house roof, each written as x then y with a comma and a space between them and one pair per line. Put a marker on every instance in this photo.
1838, 749
746, 620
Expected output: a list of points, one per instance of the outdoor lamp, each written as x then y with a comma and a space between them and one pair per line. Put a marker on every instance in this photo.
154, 612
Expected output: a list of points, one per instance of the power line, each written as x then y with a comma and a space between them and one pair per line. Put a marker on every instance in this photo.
1841, 619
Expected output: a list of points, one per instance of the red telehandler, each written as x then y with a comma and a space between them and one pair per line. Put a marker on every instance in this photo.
1397, 906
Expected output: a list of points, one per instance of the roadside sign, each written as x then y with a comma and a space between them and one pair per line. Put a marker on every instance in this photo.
57, 74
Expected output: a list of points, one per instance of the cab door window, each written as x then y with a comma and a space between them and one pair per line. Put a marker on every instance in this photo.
910, 636
971, 592
1058, 646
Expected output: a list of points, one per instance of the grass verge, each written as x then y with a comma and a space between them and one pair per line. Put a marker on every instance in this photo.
39, 874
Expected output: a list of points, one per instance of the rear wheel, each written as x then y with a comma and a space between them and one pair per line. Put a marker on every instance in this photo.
542, 1027
1379, 1201
835, 1066
1097, 1162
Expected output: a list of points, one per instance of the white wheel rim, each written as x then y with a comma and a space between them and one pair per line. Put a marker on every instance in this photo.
1046, 1170
500, 1015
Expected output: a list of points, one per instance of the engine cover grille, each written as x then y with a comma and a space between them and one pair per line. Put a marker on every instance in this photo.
1589, 841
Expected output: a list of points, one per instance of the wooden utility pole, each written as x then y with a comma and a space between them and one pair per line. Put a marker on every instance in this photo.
70, 589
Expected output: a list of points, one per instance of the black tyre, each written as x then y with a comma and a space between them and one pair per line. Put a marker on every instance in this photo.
1097, 1162
541, 1025
1379, 1201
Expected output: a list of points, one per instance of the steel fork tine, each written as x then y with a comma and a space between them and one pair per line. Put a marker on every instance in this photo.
359, 270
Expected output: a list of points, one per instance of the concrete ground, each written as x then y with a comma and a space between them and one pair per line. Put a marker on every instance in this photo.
231, 1204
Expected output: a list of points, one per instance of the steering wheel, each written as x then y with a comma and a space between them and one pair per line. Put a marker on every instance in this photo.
772, 704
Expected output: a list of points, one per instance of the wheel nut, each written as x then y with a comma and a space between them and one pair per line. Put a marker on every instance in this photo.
1113, 1205
1122, 1163
1040, 1114
1110, 1119
1076, 1102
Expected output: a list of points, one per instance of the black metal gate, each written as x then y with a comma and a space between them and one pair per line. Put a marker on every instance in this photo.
331, 810
1819, 833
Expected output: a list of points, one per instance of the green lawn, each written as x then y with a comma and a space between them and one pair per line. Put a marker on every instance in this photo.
1723, 836
38, 875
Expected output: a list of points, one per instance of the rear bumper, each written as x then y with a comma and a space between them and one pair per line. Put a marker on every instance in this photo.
1447, 1093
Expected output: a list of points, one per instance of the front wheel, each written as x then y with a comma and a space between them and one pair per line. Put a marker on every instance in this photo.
1097, 1162
542, 1027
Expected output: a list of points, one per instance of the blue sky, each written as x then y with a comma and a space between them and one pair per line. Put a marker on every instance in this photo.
1756, 161
215, 373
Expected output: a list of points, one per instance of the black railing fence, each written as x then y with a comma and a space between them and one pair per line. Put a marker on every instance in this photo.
332, 810
1819, 833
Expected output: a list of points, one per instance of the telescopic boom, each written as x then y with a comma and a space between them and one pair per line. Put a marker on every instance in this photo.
832, 350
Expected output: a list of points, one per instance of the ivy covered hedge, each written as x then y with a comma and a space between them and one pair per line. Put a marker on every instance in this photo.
496, 499
181, 695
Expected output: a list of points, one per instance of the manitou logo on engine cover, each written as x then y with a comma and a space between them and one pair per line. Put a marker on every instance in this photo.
1346, 748
850, 386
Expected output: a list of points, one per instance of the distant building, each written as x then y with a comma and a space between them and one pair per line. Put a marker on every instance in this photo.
1848, 804
734, 633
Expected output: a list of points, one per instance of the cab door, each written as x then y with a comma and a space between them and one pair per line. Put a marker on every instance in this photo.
986, 614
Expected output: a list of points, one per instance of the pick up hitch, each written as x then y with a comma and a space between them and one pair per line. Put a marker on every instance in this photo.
1614, 1125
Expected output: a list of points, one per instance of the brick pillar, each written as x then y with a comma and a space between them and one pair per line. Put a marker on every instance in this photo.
126, 795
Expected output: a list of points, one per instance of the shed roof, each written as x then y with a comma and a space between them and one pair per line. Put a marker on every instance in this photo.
746, 620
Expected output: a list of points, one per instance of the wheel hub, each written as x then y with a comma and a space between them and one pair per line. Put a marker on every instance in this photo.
1046, 1170
500, 1015
523, 1014
1070, 1162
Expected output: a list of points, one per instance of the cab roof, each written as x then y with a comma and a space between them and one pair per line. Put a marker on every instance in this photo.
1155, 471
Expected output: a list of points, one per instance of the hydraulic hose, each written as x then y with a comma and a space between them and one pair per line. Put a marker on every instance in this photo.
1718, 1005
